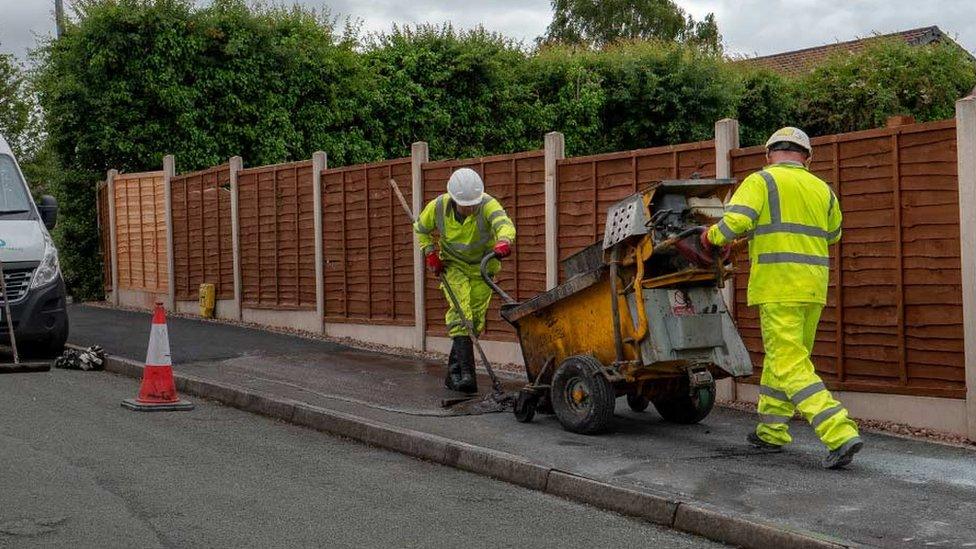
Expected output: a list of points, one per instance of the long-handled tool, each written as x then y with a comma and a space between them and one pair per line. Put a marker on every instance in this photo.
17, 365
6, 314
498, 394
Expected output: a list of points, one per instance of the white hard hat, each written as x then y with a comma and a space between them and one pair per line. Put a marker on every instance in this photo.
466, 187
790, 134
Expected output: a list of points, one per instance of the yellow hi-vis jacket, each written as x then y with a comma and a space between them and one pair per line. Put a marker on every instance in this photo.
464, 241
790, 216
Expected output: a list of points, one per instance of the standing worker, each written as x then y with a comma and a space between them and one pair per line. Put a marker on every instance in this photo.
792, 217
470, 223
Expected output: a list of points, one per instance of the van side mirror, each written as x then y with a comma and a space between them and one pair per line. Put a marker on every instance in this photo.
48, 208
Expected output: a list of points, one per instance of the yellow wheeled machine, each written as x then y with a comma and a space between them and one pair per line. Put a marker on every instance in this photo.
641, 316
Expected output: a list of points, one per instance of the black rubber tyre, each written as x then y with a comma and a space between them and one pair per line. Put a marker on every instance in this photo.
638, 403
52, 347
683, 408
544, 406
582, 397
525, 404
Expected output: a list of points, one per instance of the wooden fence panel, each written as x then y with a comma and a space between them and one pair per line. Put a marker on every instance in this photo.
202, 233
104, 233
518, 182
141, 231
277, 236
368, 242
589, 185
895, 325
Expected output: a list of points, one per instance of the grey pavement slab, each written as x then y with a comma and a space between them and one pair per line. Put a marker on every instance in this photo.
898, 493
80, 471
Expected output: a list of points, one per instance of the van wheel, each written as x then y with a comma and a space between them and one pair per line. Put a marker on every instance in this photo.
52, 347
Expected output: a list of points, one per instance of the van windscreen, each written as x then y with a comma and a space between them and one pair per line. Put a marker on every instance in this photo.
13, 193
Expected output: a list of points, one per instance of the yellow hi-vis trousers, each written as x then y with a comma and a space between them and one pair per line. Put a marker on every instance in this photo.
472, 293
789, 381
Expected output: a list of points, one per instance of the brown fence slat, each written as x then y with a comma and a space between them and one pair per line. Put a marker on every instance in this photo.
368, 243
277, 237
141, 232
202, 239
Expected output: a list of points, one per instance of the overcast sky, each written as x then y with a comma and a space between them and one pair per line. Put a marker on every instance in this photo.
749, 26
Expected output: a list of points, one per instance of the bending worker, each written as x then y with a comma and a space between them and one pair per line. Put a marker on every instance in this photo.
792, 217
470, 223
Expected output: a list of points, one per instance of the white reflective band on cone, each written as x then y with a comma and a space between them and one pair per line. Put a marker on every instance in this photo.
158, 352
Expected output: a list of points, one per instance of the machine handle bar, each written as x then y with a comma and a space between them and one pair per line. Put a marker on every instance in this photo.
491, 282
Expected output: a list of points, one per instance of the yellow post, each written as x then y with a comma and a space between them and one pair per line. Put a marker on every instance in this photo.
207, 300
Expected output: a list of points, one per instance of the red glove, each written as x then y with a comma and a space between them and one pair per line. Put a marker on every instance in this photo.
434, 263
502, 249
706, 244
708, 247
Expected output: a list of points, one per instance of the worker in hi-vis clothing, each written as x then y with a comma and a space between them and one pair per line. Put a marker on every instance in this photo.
791, 217
470, 224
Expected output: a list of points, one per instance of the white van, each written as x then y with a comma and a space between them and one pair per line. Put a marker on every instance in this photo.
30, 264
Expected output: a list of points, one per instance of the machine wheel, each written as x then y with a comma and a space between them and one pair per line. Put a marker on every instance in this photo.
582, 397
682, 407
525, 404
544, 406
638, 403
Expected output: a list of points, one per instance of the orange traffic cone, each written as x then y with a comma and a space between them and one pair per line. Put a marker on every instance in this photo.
158, 391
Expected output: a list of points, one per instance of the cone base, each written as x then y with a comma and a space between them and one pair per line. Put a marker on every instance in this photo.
180, 406
25, 367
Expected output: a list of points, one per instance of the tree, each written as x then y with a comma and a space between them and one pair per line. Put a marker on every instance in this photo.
132, 80
21, 125
459, 91
15, 106
598, 23
858, 91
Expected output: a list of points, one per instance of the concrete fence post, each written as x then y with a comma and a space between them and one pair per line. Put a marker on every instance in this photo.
235, 166
726, 139
169, 170
555, 149
419, 155
319, 163
966, 154
113, 236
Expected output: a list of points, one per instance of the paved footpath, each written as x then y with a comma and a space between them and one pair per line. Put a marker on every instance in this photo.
899, 493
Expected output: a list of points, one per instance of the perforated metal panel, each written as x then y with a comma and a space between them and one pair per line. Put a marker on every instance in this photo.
624, 220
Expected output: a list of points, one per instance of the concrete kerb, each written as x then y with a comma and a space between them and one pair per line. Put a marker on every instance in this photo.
691, 517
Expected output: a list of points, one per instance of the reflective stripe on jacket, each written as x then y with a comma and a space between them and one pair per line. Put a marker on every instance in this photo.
790, 217
465, 241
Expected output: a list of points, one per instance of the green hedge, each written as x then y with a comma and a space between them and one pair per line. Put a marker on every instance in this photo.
857, 92
132, 80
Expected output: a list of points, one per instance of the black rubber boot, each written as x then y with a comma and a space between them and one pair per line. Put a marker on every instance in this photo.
761, 444
453, 378
465, 358
843, 456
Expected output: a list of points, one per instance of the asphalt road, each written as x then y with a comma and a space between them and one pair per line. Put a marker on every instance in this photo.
80, 471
